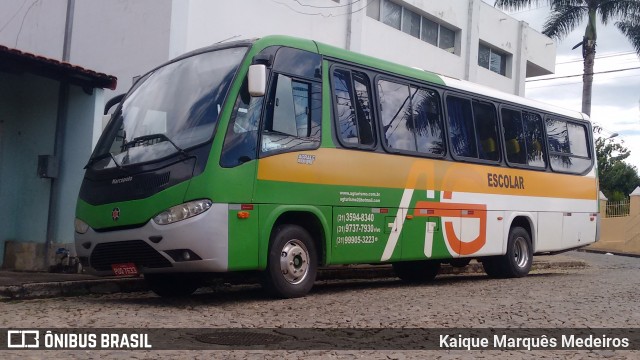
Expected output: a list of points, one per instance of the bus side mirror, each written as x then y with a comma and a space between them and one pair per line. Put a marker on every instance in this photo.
257, 80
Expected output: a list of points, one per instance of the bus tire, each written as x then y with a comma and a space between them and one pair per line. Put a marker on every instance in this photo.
292, 262
416, 271
171, 285
518, 259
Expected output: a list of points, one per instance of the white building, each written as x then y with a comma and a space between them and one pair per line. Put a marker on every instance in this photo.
466, 39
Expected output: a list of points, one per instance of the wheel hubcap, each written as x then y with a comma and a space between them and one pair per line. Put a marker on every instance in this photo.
521, 253
294, 261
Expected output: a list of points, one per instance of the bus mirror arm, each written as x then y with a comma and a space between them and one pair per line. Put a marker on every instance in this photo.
113, 101
257, 79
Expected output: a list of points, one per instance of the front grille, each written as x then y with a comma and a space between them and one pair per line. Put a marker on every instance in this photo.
150, 183
130, 251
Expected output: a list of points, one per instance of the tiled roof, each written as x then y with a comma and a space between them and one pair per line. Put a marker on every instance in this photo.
13, 60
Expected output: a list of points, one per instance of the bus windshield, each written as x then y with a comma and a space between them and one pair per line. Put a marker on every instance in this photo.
171, 109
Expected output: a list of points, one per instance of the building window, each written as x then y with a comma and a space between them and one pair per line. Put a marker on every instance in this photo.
492, 59
412, 23
391, 14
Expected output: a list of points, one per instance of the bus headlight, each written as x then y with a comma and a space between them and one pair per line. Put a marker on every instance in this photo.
183, 211
81, 226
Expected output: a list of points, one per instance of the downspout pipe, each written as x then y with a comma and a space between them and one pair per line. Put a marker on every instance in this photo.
58, 143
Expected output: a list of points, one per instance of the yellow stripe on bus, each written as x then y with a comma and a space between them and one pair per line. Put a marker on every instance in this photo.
328, 166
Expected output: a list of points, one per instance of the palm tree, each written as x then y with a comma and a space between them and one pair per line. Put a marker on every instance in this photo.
566, 15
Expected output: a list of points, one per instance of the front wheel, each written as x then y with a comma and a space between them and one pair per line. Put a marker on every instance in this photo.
292, 262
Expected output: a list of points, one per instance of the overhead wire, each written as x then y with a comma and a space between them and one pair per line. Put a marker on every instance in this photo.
604, 56
576, 75
369, 2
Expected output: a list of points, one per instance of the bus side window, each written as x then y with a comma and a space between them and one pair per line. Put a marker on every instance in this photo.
242, 133
363, 108
353, 108
568, 150
425, 106
533, 134
486, 122
461, 131
293, 116
397, 122
513, 134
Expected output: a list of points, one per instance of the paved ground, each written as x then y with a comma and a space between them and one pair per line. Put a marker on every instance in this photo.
605, 294
29, 285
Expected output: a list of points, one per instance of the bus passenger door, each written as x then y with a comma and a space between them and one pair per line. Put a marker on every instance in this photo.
238, 169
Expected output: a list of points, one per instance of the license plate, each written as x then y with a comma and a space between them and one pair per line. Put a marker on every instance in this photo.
124, 269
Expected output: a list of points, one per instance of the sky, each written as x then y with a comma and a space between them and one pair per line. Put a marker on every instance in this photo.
615, 103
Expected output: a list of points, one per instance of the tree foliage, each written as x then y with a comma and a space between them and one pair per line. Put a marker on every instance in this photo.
617, 178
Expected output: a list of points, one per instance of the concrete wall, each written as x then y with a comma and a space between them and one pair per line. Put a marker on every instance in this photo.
28, 115
28, 108
621, 234
84, 114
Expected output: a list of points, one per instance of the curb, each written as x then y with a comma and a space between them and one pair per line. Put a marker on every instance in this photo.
71, 288
613, 252
127, 285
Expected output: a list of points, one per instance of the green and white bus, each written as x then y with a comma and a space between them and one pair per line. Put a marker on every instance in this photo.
283, 155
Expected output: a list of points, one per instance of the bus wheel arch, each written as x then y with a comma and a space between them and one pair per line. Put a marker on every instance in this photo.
311, 223
525, 222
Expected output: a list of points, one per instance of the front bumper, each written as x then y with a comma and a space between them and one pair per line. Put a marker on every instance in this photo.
148, 247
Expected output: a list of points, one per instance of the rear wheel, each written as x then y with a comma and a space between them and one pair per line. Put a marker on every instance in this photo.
417, 271
518, 259
171, 285
292, 262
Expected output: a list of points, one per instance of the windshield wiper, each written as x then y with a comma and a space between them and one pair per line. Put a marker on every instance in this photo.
144, 138
100, 157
